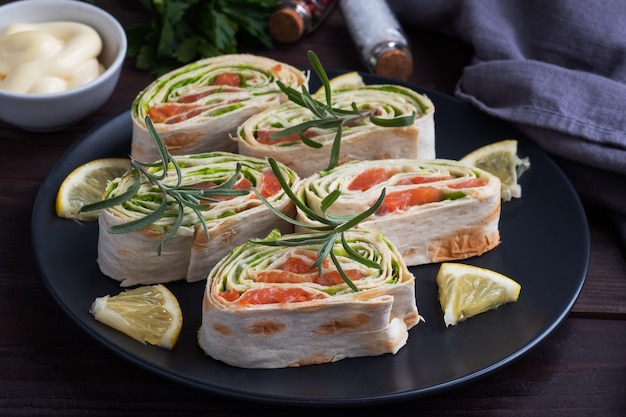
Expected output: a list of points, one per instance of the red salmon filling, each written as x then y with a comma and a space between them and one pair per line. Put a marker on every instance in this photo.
268, 187
263, 137
180, 111
276, 295
402, 200
294, 270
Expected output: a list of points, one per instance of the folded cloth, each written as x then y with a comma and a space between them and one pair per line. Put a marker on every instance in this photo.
556, 70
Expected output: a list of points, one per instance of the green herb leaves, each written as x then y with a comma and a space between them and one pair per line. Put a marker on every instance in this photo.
173, 193
332, 228
329, 117
196, 199
183, 31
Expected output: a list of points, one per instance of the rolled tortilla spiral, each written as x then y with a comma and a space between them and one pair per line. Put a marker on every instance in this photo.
361, 140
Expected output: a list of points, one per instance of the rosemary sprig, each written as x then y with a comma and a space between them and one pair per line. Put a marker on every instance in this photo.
332, 227
195, 199
329, 117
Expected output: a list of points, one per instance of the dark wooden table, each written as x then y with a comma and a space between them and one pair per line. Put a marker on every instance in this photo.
49, 366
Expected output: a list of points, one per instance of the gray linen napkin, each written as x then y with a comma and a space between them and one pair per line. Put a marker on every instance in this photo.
555, 69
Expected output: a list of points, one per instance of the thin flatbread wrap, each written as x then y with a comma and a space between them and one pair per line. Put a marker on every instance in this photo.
433, 211
132, 257
265, 308
361, 140
197, 107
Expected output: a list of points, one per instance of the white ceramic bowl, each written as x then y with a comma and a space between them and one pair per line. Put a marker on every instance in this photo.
56, 111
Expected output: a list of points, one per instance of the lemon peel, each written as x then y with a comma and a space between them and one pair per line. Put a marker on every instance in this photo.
149, 314
501, 160
85, 185
344, 81
466, 291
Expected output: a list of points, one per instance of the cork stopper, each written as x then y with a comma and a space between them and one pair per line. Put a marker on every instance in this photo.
395, 64
286, 25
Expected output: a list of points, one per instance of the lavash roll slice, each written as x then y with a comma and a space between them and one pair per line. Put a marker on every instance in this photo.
433, 211
132, 258
361, 140
264, 307
197, 107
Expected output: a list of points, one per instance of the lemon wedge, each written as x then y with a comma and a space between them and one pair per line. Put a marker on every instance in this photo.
466, 290
86, 184
149, 313
501, 160
344, 81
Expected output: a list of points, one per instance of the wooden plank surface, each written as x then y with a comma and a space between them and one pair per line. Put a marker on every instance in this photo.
49, 366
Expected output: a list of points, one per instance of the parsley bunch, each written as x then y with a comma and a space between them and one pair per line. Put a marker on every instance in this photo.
183, 31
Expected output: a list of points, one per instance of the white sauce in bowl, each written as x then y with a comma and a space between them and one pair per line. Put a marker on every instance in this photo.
48, 57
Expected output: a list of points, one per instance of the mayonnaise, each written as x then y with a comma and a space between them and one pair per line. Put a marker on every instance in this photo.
48, 57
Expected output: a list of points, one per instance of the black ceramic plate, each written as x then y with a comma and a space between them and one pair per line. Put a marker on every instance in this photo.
545, 247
